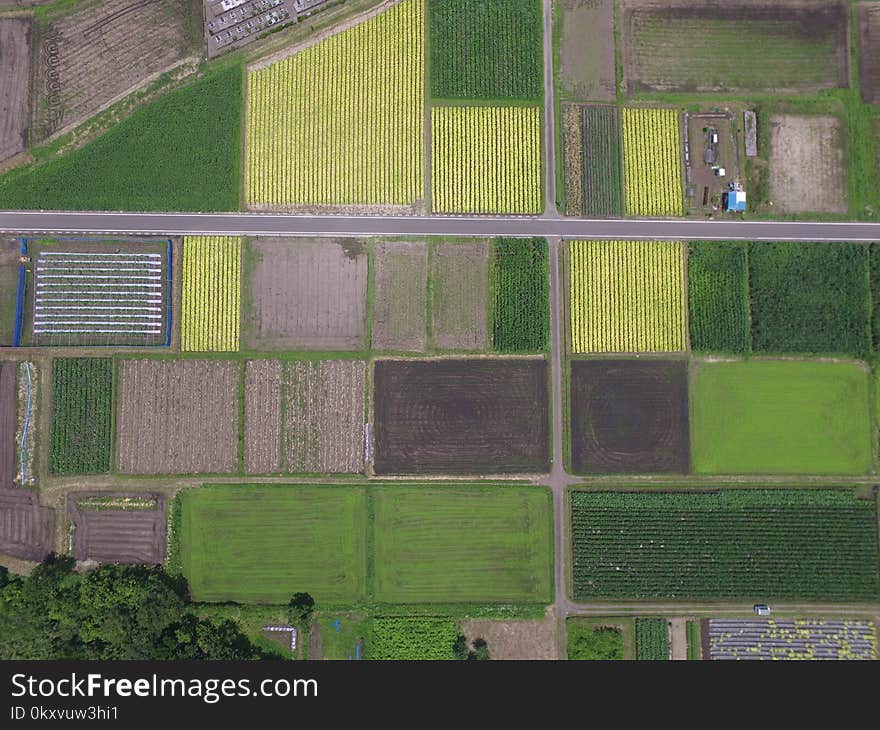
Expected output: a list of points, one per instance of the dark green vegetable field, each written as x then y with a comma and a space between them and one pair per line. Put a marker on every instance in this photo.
521, 295
82, 402
180, 153
718, 296
735, 544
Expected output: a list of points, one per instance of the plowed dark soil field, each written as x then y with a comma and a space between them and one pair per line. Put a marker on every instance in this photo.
111, 535
481, 416
629, 417
25, 526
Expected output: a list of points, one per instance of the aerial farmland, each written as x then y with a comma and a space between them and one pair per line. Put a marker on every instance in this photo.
441, 329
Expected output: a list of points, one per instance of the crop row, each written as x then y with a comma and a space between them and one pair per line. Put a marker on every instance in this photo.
410, 638
761, 544
341, 123
652, 162
81, 412
521, 295
210, 319
486, 159
627, 296
652, 639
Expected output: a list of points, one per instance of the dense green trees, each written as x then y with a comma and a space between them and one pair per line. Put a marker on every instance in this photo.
113, 612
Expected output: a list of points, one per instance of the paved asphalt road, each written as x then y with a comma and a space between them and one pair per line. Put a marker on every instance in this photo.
272, 224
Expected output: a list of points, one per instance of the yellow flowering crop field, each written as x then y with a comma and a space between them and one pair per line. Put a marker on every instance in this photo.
652, 162
627, 296
342, 122
486, 160
211, 305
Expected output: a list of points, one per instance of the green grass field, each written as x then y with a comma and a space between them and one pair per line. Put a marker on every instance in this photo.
448, 544
179, 153
780, 417
261, 544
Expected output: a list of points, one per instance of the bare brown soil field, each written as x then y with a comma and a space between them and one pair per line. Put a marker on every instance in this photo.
177, 417
98, 51
14, 61
306, 294
401, 286
323, 429
587, 49
629, 417
8, 410
262, 417
868, 15
478, 416
783, 46
119, 535
515, 639
25, 526
807, 164
460, 275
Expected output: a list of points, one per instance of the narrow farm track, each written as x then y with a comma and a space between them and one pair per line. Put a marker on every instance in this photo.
282, 224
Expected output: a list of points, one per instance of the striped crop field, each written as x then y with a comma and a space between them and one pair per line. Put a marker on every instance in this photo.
652, 162
627, 296
211, 306
486, 159
341, 123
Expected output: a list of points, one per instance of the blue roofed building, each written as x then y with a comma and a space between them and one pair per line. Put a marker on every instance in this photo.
736, 201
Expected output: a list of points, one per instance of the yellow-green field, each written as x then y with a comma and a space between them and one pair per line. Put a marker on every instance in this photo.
211, 306
652, 161
627, 296
341, 123
486, 160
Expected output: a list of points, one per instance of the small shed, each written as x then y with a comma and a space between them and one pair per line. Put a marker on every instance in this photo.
736, 201
709, 156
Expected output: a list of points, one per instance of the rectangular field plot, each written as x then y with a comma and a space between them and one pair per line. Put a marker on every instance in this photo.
521, 295
869, 51
341, 122
486, 160
438, 544
629, 416
91, 54
14, 59
718, 296
412, 638
460, 278
627, 296
479, 416
98, 293
593, 164
807, 164
211, 294
777, 544
10, 251
261, 544
781, 417
25, 526
323, 416
486, 49
780, 46
306, 294
810, 298
82, 404
586, 69
778, 638
177, 416
399, 299
119, 528
652, 162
